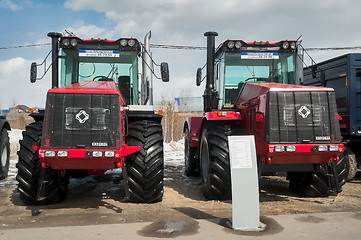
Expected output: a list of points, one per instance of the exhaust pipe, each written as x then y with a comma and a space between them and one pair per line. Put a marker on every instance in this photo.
210, 97
54, 58
147, 78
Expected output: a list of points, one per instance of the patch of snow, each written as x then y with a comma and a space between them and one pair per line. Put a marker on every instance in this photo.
15, 135
174, 152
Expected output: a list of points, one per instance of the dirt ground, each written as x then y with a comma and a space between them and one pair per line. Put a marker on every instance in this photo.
100, 200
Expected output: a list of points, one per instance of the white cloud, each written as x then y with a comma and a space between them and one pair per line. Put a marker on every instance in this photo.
16, 87
248, 20
8, 4
14, 5
86, 31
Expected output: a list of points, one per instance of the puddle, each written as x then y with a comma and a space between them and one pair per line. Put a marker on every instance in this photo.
170, 229
272, 227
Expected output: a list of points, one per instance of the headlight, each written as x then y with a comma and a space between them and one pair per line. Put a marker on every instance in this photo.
109, 154
97, 154
63, 153
123, 42
74, 42
230, 44
66, 42
285, 45
49, 153
290, 148
320, 148
131, 42
238, 45
279, 148
333, 148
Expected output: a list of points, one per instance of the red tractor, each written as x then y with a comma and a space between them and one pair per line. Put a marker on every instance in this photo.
94, 121
251, 89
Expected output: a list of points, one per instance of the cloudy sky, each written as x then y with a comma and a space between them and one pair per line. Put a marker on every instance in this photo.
322, 23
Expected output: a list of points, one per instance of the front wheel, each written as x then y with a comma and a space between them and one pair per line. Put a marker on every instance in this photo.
215, 163
4, 154
189, 157
143, 171
320, 183
37, 185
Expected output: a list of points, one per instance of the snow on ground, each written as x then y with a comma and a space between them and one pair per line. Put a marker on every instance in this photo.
173, 153
14, 135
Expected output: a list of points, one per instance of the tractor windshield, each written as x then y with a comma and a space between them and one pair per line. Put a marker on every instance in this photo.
101, 65
256, 67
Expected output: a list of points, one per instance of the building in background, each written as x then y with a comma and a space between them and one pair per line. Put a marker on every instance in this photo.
189, 104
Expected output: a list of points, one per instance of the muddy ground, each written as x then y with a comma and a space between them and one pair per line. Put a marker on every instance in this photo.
100, 200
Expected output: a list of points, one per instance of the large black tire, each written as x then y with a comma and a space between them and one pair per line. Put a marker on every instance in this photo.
215, 163
144, 170
55, 182
190, 161
321, 182
351, 164
4, 154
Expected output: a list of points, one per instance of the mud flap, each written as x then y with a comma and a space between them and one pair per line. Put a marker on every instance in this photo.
40, 195
335, 177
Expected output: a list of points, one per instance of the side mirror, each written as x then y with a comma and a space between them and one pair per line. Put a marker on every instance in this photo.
199, 77
164, 71
33, 72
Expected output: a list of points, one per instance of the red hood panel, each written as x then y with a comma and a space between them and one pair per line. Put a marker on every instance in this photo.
89, 87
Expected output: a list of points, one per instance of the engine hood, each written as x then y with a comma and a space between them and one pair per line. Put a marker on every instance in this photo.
253, 90
89, 87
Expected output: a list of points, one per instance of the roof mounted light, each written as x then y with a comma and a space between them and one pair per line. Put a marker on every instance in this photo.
66, 42
74, 42
293, 45
131, 42
230, 44
285, 45
238, 45
123, 42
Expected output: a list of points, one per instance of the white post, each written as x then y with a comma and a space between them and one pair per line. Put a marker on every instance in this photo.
244, 177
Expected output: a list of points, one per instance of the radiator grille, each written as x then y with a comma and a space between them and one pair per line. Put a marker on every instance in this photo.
301, 117
82, 121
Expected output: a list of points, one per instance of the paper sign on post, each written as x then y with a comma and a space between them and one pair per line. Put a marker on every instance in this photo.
240, 154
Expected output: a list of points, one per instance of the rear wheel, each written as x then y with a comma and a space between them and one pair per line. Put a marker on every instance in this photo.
4, 154
215, 163
351, 164
37, 185
143, 171
189, 157
321, 182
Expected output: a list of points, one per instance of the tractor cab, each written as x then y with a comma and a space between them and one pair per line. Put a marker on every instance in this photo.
238, 62
101, 60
